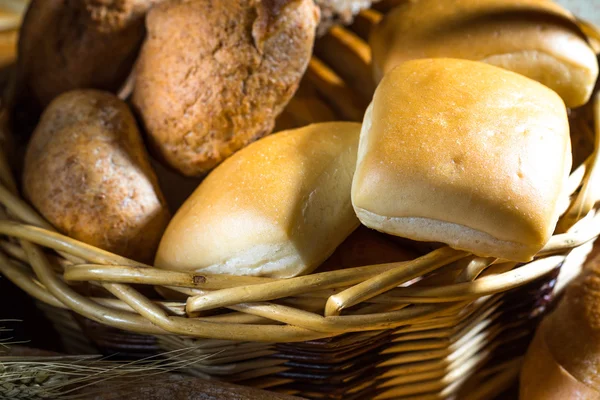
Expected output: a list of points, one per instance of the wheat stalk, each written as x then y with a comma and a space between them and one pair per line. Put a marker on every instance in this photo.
5, 342
65, 377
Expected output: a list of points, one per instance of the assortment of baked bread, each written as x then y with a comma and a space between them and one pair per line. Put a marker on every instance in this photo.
465, 142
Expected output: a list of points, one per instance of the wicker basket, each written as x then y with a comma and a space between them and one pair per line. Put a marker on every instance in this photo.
366, 332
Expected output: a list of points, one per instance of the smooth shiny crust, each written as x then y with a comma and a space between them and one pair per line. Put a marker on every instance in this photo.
536, 38
463, 153
277, 208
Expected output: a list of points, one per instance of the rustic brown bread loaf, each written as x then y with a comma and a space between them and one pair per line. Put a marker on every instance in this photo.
205, 90
88, 173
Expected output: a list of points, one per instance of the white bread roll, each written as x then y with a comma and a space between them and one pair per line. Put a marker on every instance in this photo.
277, 208
463, 153
536, 38
563, 361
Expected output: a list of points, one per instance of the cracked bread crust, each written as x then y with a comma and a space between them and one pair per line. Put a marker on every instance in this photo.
205, 90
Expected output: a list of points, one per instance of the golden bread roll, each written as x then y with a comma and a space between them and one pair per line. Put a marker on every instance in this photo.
536, 38
88, 173
277, 208
66, 45
213, 75
563, 361
463, 153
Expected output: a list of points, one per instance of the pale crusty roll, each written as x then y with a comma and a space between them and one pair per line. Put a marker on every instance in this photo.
277, 208
463, 153
536, 38
563, 362
87, 172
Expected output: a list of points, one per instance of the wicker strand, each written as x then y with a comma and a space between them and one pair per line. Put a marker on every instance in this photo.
62, 243
285, 288
475, 267
342, 99
392, 278
16, 252
364, 23
498, 269
574, 182
144, 323
347, 323
590, 190
478, 288
584, 231
25, 282
35, 289
346, 53
199, 328
319, 328
81, 304
153, 276
21, 210
238, 318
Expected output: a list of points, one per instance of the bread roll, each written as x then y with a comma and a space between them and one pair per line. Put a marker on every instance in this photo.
88, 173
277, 208
536, 38
214, 74
564, 359
463, 153
74, 44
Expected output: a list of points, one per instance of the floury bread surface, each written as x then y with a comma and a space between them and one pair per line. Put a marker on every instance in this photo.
277, 208
463, 153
